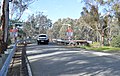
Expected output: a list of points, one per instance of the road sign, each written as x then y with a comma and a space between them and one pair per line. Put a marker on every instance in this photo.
14, 32
69, 33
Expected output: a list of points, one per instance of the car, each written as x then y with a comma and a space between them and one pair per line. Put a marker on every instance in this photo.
42, 39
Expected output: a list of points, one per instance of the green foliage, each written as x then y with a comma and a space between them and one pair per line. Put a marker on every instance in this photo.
19, 6
106, 42
37, 24
60, 27
62, 32
91, 22
102, 49
95, 45
116, 41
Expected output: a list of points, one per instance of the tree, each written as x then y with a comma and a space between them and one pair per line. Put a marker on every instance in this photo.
92, 16
4, 24
84, 30
19, 5
62, 32
116, 41
56, 28
37, 24
17, 8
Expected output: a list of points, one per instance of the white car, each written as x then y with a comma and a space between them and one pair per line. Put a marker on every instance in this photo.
42, 38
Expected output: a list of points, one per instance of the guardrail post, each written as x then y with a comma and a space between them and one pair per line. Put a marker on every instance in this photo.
3, 58
1, 62
5, 55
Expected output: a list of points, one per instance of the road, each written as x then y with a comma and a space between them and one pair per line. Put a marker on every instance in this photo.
56, 60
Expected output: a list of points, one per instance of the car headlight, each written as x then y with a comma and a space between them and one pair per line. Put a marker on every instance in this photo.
38, 39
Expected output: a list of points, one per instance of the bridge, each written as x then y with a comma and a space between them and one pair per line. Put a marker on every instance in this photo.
23, 59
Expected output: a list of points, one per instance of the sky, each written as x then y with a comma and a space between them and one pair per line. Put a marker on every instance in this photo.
55, 9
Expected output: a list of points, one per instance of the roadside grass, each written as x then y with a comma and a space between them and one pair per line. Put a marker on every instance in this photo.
96, 47
104, 48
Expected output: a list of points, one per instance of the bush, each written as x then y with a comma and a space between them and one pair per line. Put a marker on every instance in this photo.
95, 44
116, 41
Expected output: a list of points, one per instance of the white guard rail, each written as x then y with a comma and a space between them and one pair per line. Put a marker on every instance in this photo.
4, 69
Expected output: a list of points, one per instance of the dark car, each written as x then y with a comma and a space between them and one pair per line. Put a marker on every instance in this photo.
42, 39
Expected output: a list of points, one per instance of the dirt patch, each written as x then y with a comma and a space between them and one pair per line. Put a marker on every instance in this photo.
18, 64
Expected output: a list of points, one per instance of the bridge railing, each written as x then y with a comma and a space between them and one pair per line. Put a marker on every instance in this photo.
5, 66
72, 42
10, 54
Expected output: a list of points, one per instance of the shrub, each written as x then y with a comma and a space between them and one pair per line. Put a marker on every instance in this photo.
95, 44
116, 41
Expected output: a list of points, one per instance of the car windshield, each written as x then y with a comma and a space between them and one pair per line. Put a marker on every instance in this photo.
42, 36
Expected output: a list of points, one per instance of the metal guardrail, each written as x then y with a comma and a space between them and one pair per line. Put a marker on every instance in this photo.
65, 42
72, 42
4, 69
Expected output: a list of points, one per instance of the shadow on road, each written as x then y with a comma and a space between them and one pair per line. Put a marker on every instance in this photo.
59, 61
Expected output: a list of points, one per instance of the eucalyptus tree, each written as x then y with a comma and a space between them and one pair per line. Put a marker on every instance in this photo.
91, 14
113, 6
36, 24
91, 17
19, 7
84, 30
56, 28
62, 32
112, 20
60, 27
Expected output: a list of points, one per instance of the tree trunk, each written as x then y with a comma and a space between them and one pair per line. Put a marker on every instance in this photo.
5, 23
102, 39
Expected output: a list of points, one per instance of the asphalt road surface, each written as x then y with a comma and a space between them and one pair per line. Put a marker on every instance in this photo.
56, 60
